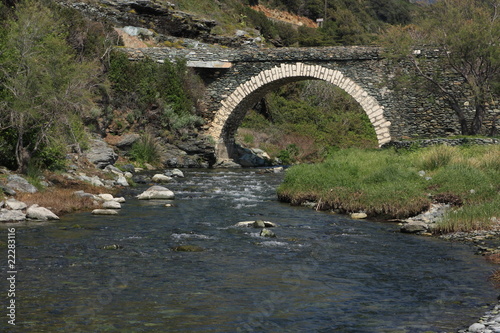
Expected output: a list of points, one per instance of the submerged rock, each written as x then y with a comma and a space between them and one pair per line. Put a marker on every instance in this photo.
112, 247
267, 233
156, 192
187, 248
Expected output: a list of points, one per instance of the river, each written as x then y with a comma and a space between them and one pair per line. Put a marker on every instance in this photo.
322, 273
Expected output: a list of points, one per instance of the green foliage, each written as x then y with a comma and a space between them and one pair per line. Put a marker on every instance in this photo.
145, 150
42, 83
176, 121
467, 33
289, 155
144, 85
51, 157
315, 110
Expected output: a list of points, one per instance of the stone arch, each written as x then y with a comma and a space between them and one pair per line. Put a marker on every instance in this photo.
233, 108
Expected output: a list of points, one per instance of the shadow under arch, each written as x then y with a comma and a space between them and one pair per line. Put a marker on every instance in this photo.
230, 115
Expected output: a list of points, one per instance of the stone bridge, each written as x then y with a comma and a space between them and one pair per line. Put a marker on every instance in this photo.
236, 79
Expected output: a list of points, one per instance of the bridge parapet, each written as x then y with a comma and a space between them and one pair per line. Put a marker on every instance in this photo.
318, 54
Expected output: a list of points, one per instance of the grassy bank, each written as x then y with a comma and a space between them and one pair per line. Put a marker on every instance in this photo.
392, 184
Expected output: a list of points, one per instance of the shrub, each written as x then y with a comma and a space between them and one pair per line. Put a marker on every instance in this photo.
145, 150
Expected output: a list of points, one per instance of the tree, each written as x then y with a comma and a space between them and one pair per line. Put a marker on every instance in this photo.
467, 34
43, 85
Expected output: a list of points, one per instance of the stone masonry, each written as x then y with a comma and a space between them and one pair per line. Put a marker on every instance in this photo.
237, 79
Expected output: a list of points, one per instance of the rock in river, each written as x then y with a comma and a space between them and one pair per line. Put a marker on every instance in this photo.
104, 212
111, 205
156, 192
358, 216
267, 233
256, 224
159, 178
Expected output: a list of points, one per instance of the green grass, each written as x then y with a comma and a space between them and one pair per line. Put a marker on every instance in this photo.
387, 184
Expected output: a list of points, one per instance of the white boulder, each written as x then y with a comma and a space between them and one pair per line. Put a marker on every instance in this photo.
358, 216
104, 212
159, 178
40, 213
111, 205
121, 181
156, 192
105, 196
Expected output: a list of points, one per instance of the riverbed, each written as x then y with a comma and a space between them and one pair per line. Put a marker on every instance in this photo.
322, 273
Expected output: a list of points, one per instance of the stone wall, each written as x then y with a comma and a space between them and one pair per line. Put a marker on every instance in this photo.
441, 141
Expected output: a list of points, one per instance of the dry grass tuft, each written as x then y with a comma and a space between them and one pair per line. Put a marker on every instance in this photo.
58, 200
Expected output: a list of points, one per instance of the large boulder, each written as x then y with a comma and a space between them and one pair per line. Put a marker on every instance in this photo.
40, 213
253, 157
127, 141
7, 190
18, 183
11, 215
101, 154
174, 173
156, 192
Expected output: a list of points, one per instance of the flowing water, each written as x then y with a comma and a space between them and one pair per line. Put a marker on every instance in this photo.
323, 272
